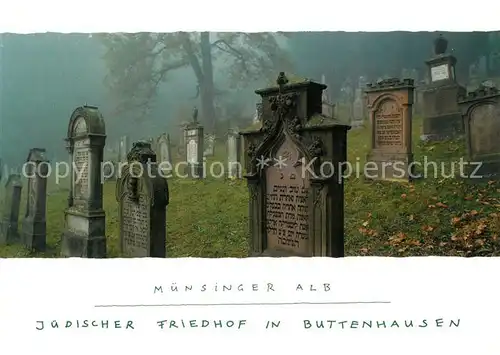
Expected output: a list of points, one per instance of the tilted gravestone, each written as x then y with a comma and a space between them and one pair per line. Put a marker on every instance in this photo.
442, 117
359, 108
164, 154
481, 114
233, 154
84, 232
34, 227
296, 192
142, 195
9, 233
390, 106
194, 148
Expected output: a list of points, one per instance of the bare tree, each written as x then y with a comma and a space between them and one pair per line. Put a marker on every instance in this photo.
139, 62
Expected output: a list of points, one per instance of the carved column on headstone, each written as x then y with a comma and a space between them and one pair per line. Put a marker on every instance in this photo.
9, 233
84, 232
142, 196
194, 148
390, 105
481, 113
34, 225
295, 205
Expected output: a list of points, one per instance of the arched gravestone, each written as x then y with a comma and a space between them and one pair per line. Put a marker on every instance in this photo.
296, 204
85, 222
34, 225
390, 106
481, 113
142, 195
9, 233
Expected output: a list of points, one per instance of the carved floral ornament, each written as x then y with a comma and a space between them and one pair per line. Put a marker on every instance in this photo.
284, 115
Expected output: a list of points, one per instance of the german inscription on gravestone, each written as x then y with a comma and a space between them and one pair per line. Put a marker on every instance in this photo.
388, 125
192, 152
439, 72
286, 203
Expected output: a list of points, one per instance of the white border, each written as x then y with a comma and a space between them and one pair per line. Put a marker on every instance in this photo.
252, 16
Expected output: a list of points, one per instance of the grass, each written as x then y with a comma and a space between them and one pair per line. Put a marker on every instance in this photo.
432, 216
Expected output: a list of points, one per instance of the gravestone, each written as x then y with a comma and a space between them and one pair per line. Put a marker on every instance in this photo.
164, 154
209, 145
234, 154
142, 198
481, 113
84, 232
258, 113
442, 117
390, 107
359, 108
194, 148
33, 234
9, 233
296, 206
124, 148
327, 108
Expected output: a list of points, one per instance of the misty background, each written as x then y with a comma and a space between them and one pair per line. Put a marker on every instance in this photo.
44, 77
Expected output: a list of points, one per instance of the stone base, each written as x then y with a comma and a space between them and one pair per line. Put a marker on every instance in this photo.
34, 235
482, 169
194, 171
390, 166
9, 233
85, 239
439, 128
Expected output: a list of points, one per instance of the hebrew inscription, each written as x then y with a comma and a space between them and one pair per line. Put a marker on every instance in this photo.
286, 204
81, 172
135, 227
388, 125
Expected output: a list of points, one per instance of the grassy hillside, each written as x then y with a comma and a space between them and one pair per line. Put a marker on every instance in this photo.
432, 216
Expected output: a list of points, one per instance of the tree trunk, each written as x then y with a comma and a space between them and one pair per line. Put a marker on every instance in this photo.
207, 92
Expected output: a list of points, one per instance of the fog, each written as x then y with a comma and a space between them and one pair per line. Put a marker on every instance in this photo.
44, 77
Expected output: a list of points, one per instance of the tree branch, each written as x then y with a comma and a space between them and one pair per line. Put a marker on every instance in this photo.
231, 50
193, 60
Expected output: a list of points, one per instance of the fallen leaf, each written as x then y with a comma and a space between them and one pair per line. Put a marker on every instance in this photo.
403, 195
491, 182
455, 220
411, 218
473, 212
364, 250
365, 223
369, 214
468, 198
427, 228
431, 206
440, 204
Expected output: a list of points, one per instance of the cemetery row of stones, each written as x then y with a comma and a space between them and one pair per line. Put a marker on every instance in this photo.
290, 213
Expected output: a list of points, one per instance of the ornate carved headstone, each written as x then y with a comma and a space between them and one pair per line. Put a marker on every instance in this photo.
194, 148
296, 202
164, 154
234, 154
142, 198
9, 233
390, 106
442, 117
84, 232
34, 226
481, 113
